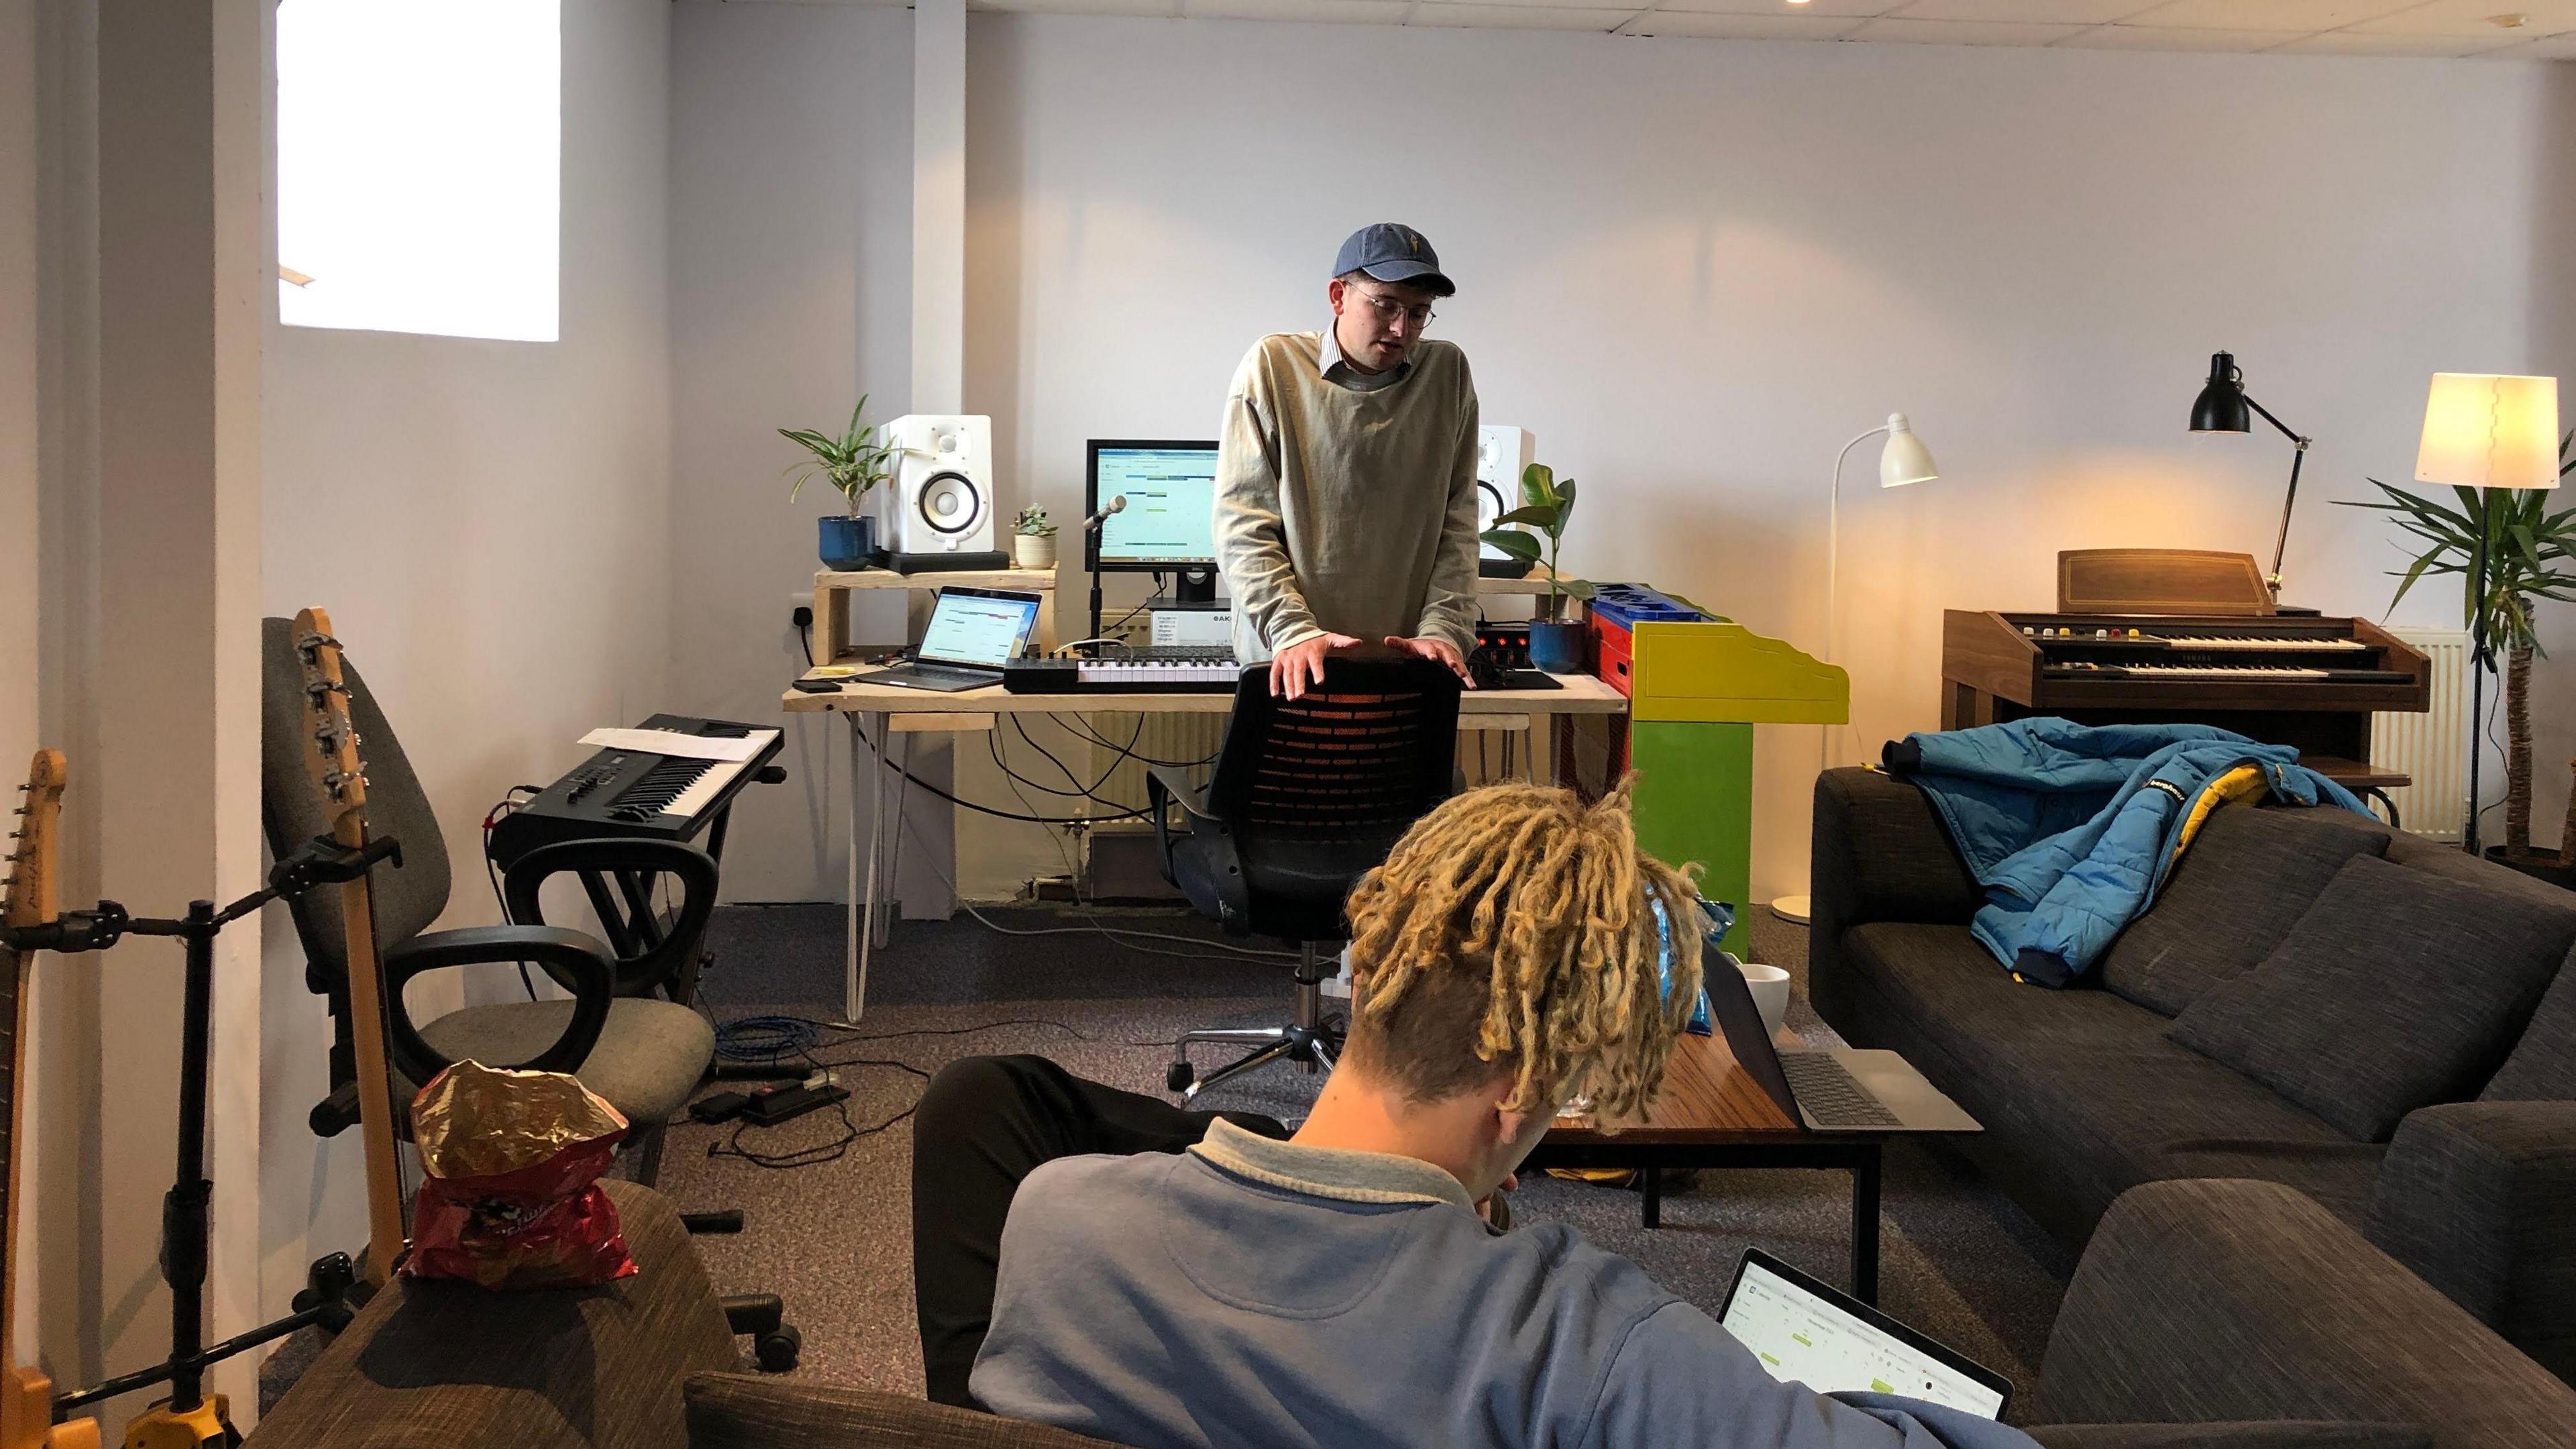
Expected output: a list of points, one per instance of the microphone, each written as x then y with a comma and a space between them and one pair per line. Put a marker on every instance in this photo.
1114, 505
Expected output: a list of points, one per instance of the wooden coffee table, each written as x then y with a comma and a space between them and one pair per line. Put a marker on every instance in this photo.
1712, 1113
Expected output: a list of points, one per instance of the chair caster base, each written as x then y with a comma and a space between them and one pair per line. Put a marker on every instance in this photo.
777, 1352
1179, 1077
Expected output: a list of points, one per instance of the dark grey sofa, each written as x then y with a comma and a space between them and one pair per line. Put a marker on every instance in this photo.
2084, 1097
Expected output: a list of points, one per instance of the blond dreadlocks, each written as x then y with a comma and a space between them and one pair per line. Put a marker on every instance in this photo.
1510, 927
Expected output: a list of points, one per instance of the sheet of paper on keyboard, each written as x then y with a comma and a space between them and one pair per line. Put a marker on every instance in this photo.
687, 747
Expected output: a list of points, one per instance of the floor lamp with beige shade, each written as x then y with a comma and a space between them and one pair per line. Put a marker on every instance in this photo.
2486, 432
1902, 460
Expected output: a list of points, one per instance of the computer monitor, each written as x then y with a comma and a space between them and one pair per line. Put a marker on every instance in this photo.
1169, 523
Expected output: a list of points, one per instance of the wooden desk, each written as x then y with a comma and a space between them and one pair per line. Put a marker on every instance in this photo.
879, 712
1712, 1113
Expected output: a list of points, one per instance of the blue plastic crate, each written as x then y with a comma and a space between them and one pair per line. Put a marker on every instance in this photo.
1628, 605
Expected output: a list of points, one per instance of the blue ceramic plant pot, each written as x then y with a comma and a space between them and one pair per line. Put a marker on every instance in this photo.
847, 542
1558, 648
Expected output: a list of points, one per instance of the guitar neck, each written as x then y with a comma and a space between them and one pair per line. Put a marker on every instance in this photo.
375, 1088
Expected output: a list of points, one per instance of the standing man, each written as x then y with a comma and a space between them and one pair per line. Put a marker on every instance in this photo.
1346, 475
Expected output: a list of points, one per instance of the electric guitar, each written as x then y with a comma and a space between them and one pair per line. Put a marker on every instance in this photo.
26, 1395
341, 775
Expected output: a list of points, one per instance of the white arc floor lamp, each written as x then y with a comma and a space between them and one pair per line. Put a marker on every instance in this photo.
1903, 460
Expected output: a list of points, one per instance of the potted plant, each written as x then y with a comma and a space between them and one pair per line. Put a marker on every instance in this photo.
854, 462
2529, 553
1033, 539
1556, 642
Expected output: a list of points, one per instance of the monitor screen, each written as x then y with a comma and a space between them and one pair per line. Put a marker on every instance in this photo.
977, 626
1802, 1333
1169, 520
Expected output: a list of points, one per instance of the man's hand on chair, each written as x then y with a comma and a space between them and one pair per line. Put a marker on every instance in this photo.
1439, 651
1300, 666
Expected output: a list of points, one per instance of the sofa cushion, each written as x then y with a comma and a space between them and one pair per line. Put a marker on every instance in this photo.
2397, 989
2235, 1434
748, 1411
2542, 1066
2081, 1088
2232, 897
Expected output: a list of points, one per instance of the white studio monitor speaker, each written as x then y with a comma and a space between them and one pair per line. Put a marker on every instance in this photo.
936, 511
1501, 454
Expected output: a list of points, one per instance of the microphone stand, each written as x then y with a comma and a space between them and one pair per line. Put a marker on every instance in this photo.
1091, 556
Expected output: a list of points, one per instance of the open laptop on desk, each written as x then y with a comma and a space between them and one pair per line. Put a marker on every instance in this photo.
1845, 1089
972, 634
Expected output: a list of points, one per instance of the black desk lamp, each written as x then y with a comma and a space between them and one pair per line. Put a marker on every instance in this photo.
2221, 408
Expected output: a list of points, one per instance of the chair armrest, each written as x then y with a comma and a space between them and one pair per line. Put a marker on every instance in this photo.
568, 956
2479, 1198
1878, 853
747, 1411
2202, 1300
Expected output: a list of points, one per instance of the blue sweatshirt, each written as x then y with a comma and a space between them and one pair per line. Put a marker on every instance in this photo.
1251, 1292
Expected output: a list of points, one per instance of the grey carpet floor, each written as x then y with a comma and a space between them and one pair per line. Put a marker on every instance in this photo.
1960, 1262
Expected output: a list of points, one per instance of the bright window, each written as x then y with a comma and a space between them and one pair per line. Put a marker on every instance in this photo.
419, 165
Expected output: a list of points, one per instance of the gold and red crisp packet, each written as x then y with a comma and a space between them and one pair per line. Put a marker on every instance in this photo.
510, 1195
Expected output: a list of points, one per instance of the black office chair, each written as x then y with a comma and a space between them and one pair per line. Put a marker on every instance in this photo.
645, 1054
1308, 795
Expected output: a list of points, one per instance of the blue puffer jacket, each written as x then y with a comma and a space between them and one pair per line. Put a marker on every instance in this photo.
2071, 828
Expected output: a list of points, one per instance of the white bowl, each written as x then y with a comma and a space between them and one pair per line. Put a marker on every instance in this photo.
1770, 986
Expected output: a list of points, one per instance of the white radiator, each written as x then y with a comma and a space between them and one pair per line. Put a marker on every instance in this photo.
2432, 746
1163, 736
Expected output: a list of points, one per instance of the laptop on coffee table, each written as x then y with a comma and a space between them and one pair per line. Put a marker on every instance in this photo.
1845, 1089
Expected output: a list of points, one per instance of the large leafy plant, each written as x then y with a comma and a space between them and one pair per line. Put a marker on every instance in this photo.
1546, 505
2529, 555
854, 462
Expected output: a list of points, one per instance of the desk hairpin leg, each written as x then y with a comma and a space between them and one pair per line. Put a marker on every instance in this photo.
890, 891
868, 922
861, 904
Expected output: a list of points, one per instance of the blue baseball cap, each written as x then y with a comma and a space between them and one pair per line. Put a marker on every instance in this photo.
1394, 253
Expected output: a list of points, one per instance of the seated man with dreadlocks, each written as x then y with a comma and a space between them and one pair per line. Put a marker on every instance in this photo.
1175, 1278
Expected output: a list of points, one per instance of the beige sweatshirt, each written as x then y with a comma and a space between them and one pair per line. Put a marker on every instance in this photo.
1345, 511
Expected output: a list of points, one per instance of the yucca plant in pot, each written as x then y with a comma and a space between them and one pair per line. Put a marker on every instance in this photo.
853, 463
1556, 643
2529, 554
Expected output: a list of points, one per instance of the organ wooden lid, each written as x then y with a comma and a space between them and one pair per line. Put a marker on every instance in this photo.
2159, 581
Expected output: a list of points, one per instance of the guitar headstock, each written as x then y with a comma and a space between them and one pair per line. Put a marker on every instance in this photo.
332, 756
30, 897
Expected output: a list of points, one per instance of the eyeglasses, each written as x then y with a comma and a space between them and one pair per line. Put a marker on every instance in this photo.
1388, 309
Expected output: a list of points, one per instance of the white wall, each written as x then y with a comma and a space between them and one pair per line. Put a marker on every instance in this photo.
1695, 268
791, 248
489, 524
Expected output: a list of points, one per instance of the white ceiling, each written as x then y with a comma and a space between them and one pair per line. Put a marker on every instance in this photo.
2498, 29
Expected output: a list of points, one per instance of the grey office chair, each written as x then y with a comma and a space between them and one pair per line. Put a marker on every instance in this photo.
644, 1054
1308, 795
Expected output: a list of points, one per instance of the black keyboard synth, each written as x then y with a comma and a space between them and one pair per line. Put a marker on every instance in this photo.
635, 794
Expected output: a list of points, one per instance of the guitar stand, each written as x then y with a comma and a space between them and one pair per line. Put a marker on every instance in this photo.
190, 1416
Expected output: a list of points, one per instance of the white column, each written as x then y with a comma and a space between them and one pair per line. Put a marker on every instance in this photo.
183, 283
939, 206
938, 382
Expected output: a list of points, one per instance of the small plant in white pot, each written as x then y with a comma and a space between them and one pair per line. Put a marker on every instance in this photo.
1033, 539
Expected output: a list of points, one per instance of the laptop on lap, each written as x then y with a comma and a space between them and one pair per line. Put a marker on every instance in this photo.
972, 634
1845, 1089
